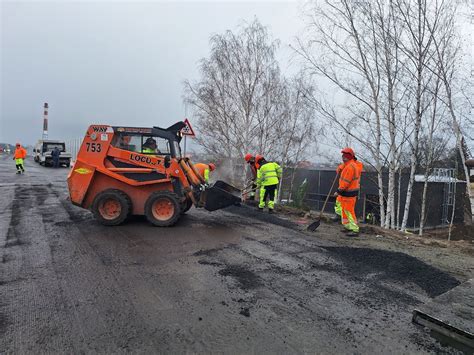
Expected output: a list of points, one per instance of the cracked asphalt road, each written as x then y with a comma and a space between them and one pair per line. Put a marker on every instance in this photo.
228, 281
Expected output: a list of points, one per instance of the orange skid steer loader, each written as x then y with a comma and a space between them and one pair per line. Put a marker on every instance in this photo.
122, 171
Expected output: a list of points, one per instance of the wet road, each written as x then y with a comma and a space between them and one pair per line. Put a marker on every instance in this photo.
227, 281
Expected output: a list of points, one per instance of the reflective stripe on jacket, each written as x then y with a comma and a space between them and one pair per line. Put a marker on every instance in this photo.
148, 151
349, 181
269, 174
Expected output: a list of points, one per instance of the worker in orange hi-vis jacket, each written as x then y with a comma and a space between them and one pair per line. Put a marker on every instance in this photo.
18, 157
205, 170
349, 186
250, 160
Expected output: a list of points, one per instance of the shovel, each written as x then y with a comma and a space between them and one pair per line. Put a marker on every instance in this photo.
313, 226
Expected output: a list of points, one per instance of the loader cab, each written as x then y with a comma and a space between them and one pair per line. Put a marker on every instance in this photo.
150, 141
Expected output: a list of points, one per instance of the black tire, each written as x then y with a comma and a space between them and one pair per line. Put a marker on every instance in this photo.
185, 207
169, 206
111, 207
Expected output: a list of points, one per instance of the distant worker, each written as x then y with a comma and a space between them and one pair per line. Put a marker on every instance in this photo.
55, 155
204, 170
150, 147
18, 156
268, 178
349, 185
250, 160
370, 218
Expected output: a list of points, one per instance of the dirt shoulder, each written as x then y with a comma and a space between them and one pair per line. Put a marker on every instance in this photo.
455, 257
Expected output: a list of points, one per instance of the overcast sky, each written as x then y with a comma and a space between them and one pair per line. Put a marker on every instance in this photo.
121, 63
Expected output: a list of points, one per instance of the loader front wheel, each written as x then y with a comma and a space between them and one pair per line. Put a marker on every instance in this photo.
162, 209
186, 206
111, 207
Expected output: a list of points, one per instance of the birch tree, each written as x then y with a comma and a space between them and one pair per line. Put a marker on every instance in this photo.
244, 104
298, 130
238, 99
447, 49
351, 45
433, 123
416, 46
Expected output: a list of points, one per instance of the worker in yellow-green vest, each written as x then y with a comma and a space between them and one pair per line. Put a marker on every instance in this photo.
204, 170
150, 146
18, 156
268, 178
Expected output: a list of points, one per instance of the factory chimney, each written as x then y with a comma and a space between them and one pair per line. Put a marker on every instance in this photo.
45, 121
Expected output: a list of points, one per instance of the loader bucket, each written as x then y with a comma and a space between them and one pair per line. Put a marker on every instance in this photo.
221, 195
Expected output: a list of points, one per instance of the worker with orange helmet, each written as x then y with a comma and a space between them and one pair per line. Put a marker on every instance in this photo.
18, 156
349, 186
268, 178
204, 170
250, 160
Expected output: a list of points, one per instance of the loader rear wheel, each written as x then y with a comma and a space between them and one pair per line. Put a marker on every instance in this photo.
162, 209
111, 207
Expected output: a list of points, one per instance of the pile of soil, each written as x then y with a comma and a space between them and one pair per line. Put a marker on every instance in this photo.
395, 266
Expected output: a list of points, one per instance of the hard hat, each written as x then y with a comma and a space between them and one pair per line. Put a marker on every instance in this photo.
348, 150
248, 157
18, 144
212, 166
258, 157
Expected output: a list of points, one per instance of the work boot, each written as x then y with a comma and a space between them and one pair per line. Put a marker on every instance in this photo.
352, 234
335, 218
260, 209
18, 172
270, 211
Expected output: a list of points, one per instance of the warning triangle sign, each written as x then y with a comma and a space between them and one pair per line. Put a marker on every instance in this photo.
187, 130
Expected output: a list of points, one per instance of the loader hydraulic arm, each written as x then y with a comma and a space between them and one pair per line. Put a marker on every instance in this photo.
191, 173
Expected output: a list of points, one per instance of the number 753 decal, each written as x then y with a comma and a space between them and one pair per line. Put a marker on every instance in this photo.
94, 147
